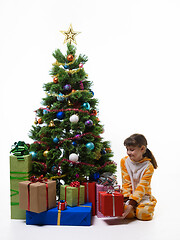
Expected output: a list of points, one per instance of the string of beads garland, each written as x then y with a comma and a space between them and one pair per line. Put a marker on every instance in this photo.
72, 138
66, 110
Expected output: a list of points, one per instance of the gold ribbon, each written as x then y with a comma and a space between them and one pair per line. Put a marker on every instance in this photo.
59, 217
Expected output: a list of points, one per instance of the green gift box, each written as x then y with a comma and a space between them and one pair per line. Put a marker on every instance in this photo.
19, 170
74, 196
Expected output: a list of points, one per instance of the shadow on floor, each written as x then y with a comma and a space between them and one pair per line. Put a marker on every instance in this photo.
117, 221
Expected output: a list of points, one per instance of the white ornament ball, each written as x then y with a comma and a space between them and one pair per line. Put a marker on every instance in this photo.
73, 157
74, 118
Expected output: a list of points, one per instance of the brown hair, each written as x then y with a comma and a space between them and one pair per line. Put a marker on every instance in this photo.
138, 140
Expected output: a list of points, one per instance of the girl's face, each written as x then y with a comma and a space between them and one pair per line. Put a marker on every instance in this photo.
136, 153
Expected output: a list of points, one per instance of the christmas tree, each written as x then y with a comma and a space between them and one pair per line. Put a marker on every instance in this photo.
67, 132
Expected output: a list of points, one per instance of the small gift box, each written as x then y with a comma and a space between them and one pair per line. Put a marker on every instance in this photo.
100, 188
37, 196
111, 203
73, 195
62, 205
72, 216
90, 194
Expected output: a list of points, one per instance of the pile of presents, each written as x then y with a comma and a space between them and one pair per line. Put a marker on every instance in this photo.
35, 199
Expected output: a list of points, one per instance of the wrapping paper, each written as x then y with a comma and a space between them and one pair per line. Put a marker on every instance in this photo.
71, 216
74, 196
111, 204
37, 197
19, 170
90, 194
100, 188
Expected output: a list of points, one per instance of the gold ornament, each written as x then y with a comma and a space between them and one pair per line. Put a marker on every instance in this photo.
45, 153
40, 121
69, 103
70, 35
35, 122
98, 155
51, 124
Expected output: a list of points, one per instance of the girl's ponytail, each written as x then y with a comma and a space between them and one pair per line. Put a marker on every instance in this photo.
149, 154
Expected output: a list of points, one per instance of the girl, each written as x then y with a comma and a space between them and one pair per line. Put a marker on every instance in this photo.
137, 169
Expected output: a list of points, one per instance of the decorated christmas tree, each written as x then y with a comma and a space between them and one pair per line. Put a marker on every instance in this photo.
67, 133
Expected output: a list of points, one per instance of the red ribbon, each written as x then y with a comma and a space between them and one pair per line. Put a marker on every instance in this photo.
33, 179
41, 179
75, 184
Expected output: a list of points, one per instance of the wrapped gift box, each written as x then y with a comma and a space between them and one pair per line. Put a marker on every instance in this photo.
111, 204
19, 169
100, 188
90, 194
74, 196
37, 197
62, 205
71, 216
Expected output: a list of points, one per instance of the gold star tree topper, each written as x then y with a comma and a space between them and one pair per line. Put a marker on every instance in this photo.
70, 35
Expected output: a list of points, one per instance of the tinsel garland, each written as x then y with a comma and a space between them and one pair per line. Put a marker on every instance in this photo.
66, 110
70, 71
66, 96
62, 64
87, 164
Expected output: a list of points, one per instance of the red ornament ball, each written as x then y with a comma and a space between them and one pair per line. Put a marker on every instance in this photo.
70, 58
80, 65
55, 80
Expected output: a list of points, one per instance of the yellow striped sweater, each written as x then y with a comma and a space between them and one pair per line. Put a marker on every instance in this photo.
136, 179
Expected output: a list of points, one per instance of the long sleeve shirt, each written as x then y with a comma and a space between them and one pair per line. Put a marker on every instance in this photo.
136, 178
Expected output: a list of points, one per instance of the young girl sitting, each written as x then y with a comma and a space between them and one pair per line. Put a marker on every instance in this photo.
137, 170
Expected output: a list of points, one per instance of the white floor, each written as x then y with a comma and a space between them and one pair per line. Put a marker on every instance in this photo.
164, 226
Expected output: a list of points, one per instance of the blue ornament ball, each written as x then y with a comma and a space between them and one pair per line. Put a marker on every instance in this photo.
92, 92
34, 155
95, 176
45, 111
103, 151
60, 97
60, 115
74, 143
66, 66
86, 106
56, 140
90, 145
54, 169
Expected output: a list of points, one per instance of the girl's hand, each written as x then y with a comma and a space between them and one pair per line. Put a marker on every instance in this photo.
128, 209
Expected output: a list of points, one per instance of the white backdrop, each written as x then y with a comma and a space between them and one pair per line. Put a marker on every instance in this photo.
133, 50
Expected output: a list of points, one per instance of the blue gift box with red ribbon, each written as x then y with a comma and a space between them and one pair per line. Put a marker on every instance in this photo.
71, 216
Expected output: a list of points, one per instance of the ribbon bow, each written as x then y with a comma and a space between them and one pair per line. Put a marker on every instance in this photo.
110, 191
19, 149
33, 179
75, 184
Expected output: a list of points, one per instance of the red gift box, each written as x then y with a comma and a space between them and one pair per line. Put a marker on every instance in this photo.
90, 194
62, 205
111, 204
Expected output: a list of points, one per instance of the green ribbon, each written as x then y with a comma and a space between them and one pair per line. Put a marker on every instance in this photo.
19, 150
15, 192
